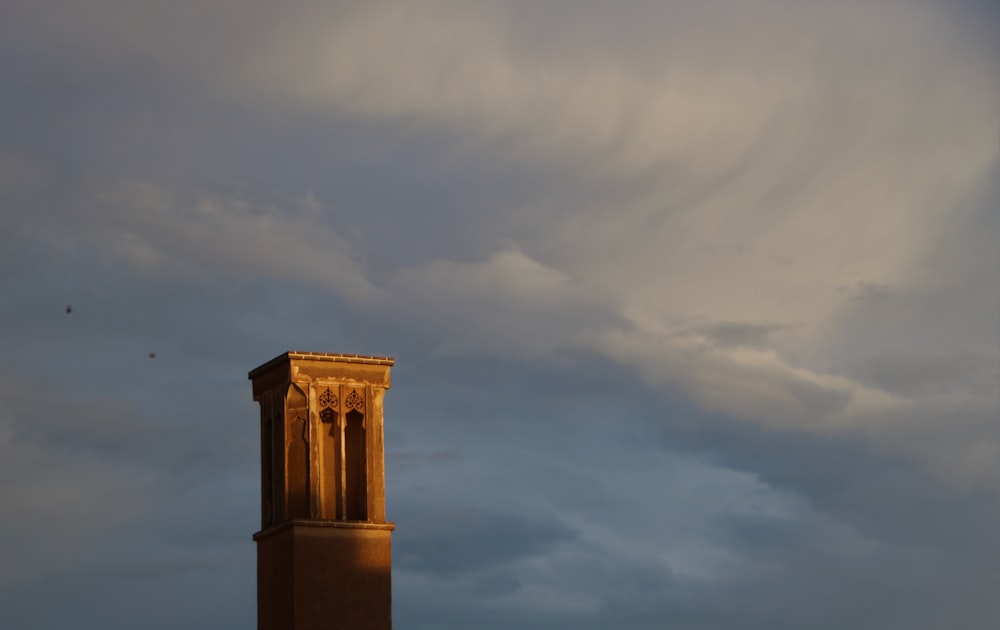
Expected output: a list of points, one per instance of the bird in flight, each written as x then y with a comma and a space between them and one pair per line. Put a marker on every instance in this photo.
69, 310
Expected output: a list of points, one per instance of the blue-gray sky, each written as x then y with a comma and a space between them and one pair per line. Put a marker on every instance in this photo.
695, 305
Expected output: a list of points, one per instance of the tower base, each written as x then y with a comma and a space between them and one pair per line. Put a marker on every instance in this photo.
324, 575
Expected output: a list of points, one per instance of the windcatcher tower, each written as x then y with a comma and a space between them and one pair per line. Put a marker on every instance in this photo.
324, 548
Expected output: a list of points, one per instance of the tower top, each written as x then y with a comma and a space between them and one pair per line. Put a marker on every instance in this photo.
321, 356
320, 368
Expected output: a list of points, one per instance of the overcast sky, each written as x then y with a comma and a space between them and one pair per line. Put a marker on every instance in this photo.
695, 304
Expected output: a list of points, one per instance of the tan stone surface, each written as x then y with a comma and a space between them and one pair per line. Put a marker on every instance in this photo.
312, 576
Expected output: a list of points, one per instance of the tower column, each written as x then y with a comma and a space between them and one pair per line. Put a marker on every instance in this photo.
324, 547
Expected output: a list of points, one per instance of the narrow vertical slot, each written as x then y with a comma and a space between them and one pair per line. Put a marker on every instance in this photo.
355, 467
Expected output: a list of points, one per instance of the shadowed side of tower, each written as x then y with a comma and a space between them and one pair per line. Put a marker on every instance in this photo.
324, 548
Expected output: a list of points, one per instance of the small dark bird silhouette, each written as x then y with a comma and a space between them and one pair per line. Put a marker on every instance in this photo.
69, 309
152, 355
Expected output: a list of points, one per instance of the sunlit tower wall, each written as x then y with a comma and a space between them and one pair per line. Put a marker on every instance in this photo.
324, 547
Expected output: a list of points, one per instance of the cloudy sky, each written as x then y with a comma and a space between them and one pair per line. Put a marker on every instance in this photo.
695, 304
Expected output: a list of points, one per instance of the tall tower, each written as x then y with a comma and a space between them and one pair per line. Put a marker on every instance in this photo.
324, 548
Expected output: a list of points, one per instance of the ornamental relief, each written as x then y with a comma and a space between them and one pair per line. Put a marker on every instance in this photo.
328, 399
354, 401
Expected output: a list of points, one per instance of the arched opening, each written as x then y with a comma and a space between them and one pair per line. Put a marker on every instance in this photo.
355, 461
298, 470
297, 445
266, 473
333, 482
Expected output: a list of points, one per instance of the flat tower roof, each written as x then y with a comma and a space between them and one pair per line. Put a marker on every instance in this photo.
322, 356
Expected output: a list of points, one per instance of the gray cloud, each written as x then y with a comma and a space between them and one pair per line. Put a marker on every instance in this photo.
749, 334
916, 374
452, 541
